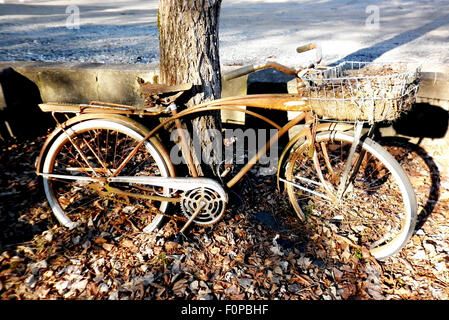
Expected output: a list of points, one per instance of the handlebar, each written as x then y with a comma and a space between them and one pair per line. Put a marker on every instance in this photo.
270, 64
254, 67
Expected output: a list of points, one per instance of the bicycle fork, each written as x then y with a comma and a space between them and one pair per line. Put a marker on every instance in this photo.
344, 179
349, 176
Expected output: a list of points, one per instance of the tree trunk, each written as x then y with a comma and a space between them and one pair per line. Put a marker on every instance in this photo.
188, 39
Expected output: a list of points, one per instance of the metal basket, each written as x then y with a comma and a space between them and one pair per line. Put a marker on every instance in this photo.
362, 91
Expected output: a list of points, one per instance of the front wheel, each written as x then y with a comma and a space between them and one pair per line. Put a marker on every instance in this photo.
96, 148
378, 207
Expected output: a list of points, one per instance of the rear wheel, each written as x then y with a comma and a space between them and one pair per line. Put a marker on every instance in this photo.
95, 148
377, 209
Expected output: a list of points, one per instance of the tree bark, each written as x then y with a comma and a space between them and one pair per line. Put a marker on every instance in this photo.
188, 39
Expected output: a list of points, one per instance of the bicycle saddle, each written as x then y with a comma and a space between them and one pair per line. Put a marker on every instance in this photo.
156, 89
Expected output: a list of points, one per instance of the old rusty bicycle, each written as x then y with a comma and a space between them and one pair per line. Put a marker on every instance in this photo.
100, 163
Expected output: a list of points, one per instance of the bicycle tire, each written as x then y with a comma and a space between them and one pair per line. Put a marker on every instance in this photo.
365, 199
108, 134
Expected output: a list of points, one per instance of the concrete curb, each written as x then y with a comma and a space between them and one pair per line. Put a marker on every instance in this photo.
117, 83
84, 82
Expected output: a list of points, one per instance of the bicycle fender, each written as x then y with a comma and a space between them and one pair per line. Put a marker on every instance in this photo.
114, 117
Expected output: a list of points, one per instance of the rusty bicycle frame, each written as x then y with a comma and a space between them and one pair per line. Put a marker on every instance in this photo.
285, 102
265, 101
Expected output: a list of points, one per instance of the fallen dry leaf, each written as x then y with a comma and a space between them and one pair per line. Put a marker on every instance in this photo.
231, 260
107, 246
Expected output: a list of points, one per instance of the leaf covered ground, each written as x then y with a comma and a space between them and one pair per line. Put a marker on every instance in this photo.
257, 251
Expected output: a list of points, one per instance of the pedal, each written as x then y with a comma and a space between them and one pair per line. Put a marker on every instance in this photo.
226, 170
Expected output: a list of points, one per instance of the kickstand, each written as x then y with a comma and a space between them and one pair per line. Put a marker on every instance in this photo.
180, 238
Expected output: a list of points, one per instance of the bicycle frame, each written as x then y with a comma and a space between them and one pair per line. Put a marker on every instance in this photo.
286, 102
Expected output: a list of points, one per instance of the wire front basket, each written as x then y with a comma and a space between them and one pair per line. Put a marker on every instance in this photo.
362, 91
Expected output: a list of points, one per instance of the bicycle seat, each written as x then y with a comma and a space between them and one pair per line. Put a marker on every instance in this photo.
156, 89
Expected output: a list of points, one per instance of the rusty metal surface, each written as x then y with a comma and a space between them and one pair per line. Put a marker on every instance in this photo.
282, 101
263, 150
256, 67
254, 100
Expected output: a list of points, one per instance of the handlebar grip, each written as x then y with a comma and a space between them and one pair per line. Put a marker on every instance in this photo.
238, 72
306, 47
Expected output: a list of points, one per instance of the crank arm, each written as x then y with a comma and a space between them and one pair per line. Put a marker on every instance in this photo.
193, 217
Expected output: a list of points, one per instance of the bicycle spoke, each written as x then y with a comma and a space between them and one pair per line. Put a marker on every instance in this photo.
371, 210
321, 195
74, 187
